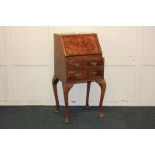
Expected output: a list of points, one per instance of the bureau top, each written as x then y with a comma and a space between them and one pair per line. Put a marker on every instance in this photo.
78, 44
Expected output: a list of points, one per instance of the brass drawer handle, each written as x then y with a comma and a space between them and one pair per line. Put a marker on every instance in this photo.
94, 63
76, 65
94, 73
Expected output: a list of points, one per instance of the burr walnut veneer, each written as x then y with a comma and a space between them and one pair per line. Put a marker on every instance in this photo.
77, 59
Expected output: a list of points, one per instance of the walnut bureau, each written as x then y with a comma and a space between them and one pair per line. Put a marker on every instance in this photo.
77, 59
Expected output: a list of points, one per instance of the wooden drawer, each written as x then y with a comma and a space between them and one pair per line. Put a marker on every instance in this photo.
93, 62
85, 75
75, 64
76, 75
84, 63
95, 73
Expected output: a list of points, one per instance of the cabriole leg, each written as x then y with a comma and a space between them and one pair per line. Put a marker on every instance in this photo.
54, 83
66, 89
102, 84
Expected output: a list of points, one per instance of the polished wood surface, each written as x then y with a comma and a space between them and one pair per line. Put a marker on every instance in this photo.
77, 59
80, 44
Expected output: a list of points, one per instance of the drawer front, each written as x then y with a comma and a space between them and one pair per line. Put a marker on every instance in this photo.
76, 75
85, 75
95, 74
83, 63
75, 64
94, 62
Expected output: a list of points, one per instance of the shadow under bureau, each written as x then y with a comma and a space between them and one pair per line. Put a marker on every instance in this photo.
77, 59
